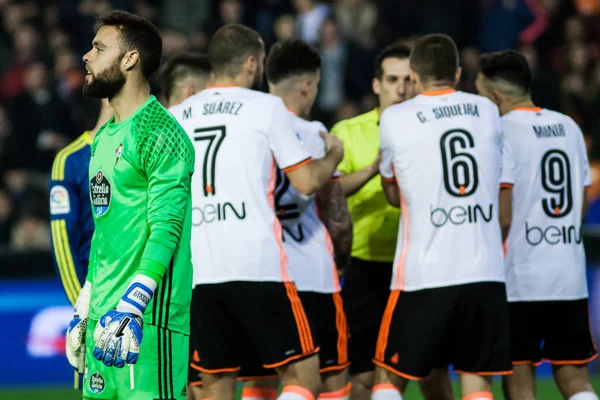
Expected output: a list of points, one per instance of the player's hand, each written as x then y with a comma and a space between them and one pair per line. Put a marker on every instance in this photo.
374, 168
118, 335
333, 144
75, 346
75, 338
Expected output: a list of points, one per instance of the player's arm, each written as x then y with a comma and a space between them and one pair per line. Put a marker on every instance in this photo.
507, 179
305, 174
64, 223
391, 189
337, 220
352, 181
167, 159
311, 176
505, 209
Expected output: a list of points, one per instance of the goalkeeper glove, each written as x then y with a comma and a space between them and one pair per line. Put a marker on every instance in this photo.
118, 334
75, 344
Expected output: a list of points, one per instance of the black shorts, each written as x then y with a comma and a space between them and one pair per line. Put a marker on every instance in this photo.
326, 312
365, 292
464, 325
554, 331
235, 323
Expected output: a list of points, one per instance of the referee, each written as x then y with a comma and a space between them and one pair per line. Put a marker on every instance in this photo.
367, 281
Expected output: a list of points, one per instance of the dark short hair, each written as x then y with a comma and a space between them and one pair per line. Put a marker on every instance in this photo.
396, 50
137, 33
435, 58
510, 66
180, 66
289, 58
230, 46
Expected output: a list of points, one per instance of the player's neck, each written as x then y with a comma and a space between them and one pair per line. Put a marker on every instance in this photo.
433, 87
292, 103
105, 114
520, 102
133, 95
225, 81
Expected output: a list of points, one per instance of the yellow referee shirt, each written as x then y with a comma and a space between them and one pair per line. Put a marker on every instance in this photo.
375, 220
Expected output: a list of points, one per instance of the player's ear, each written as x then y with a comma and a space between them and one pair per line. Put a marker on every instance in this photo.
130, 60
497, 97
191, 90
305, 86
458, 75
376, 86
251, 63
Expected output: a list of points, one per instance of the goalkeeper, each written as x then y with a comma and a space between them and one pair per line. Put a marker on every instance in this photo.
132, 314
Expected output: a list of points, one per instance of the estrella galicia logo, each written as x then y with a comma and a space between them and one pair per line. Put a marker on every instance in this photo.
460, 167
100, 193
97, 383
556, 180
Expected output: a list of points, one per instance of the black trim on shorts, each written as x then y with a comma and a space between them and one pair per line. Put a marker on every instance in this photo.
165, 365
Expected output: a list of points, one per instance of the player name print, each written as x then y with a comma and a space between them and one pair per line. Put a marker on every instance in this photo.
100, 193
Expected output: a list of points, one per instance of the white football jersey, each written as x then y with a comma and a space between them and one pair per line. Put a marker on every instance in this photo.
241, 136
305, 238
443, 149
545, 158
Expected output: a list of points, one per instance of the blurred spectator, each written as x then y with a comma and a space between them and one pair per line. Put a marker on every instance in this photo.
356, 19
311, 15
333, 59
6, 216
578, 74
469, 61
544, 88
505, 24
26, 50
229, 12
185, 16
285, 28
41, 122
30, 233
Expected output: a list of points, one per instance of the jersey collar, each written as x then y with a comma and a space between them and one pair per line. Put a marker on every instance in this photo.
438, 92
530, 109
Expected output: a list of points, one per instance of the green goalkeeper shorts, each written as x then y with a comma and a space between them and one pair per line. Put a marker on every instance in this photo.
160, 372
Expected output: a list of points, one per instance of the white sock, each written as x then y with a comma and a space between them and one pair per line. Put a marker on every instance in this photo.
342, 394
259, 394
584, 396
385, 392
479, 396
293, 392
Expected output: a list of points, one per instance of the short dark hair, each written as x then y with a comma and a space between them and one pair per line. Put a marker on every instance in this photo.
180, 66
396, 50
509, 66
435, 58
230, 46
137, 33
289, 58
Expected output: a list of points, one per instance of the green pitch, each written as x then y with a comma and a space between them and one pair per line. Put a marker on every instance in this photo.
546, 391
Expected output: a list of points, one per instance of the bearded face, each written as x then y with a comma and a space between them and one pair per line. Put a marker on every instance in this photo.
105, 84
104, 78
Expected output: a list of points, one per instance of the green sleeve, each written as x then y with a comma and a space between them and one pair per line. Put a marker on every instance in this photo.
167, 158
340, 130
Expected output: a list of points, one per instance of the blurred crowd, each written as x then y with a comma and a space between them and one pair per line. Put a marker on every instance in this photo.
41, 72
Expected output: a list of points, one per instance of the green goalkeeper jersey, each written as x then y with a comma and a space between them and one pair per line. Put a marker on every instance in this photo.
140, 177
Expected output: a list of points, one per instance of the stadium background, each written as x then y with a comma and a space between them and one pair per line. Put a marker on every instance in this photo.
42, 109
